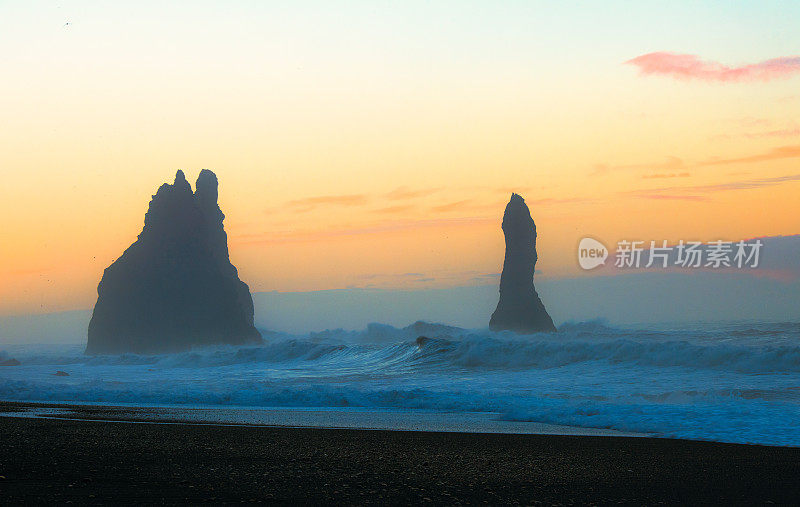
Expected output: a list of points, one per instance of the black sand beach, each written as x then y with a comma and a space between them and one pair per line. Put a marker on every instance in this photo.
53, 460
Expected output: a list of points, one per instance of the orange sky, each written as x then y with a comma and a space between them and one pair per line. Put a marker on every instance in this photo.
380, 149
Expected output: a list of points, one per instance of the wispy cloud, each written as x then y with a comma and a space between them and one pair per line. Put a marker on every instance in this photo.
402, 193
696, 193
674, 167
513, 190
442, 278
670, 164
453, 206
683, 66
665, 175
389, 210
551, 200
674, 197
372, 276
485, 277
748, 184
309, 203
349, 200
289, 236
790, 132
774, 154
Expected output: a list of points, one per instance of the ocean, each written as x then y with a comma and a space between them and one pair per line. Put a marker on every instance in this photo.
729, 382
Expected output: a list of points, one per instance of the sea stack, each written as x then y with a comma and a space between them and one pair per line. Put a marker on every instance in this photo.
519, 309
175, 286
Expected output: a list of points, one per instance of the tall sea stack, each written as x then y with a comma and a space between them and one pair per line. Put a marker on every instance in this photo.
175, 286
519, 309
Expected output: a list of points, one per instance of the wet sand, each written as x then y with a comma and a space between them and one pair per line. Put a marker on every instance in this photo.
59, 460
349, 418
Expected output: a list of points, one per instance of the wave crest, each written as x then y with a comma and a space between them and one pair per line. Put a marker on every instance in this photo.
433, 347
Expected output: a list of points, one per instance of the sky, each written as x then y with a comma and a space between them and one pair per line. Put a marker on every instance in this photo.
375, 144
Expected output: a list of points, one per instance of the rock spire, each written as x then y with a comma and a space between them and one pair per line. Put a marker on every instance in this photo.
520, 309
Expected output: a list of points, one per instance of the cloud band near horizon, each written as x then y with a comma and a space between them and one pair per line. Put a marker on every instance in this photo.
691, 67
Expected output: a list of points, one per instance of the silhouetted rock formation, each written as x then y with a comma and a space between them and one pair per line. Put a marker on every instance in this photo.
519, 309
175, 286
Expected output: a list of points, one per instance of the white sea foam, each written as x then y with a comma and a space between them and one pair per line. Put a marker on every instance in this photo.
738, 382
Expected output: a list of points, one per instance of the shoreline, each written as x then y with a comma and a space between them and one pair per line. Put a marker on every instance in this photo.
61, 460
355, 418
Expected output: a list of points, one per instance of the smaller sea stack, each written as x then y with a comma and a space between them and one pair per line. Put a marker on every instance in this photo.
520, 309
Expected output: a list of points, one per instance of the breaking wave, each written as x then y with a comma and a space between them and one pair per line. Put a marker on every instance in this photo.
583, 343
737, 382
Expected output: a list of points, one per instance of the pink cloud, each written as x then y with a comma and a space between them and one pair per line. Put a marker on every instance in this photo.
692, 67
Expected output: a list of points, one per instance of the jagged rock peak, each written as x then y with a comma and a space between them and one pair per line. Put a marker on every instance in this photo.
207, 188
520, 309
180, 181
175, 286
518, 215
